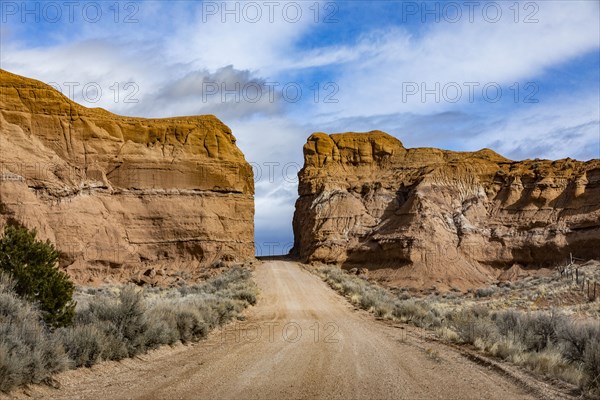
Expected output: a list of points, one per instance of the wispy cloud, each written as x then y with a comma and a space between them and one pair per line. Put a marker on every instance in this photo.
479, 52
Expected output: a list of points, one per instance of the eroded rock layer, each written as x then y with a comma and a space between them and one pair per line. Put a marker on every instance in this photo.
427, 217
120, 195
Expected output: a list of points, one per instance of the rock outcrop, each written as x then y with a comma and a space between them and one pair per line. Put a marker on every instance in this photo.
119, 195
426, 217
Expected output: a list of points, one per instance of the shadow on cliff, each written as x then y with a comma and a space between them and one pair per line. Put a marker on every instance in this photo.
396, 216
565, 201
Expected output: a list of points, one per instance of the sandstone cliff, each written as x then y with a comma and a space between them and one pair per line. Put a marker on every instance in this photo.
426, 217
120, 195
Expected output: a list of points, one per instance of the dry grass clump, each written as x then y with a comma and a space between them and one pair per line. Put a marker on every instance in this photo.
591, 365
547, 342
114, 324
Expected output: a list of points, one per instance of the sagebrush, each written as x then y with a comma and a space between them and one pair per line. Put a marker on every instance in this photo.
549, 343
112, 325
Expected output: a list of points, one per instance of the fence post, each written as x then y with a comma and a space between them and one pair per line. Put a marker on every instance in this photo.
588, 289
577, 276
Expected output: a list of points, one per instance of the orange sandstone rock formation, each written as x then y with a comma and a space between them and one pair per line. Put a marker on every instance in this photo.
120, 195
426, 217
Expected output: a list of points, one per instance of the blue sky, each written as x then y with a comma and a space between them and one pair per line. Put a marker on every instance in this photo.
369, 62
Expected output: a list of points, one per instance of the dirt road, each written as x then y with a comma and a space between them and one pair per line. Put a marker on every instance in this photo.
302, 340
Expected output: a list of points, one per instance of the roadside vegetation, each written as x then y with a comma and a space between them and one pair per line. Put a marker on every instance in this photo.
111, 323
547, 342
32, 264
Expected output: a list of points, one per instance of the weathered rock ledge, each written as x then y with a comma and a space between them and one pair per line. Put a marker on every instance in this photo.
120, 195
426, 217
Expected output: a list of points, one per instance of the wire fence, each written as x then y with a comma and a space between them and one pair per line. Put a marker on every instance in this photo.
588, 285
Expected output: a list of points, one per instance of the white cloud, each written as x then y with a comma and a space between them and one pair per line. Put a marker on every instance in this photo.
228, 93
164, 47
90, 64
259, 46
557, 129
505, 52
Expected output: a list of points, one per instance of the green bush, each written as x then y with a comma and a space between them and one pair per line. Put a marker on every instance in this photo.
33, 265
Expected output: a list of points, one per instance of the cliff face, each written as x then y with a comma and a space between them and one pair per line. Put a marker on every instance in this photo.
120, 195
425, 217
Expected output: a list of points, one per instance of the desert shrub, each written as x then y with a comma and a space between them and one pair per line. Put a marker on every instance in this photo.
112, 327
359, 291
470, 326
234, 280
409, 311
538, 330
28, 352
591, 365
367, 300
485, 292
218, 283
247, 295
546, 342
225, 280
212, 310
33, 265
548, 362
383, 310
84, 344
431, 320
508, 322
127, 325
404, 296
114, 347
162, 326
225, 309
100, 333
507, 349
575, 336
122, 319
349, 288
190, 324
479, 311
446, 333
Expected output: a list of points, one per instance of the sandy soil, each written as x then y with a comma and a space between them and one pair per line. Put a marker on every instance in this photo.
301, 341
